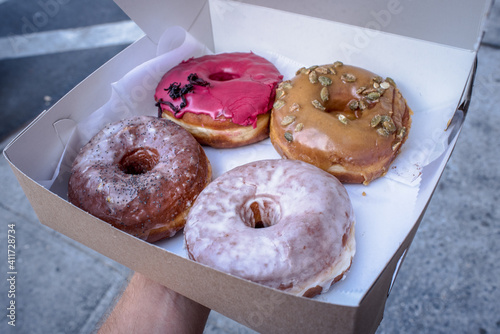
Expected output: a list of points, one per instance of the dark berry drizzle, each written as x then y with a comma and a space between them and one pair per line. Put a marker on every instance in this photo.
176, 91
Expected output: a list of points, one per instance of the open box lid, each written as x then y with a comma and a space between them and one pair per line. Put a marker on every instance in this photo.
456, 23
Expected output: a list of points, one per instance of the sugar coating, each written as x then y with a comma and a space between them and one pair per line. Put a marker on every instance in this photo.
308, 211
137, 203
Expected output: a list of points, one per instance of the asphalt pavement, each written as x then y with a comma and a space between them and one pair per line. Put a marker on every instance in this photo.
448, 283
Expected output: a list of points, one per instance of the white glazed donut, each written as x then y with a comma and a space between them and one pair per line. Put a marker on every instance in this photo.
285, 224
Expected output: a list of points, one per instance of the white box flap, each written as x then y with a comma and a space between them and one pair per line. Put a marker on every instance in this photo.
456, 23
155, 16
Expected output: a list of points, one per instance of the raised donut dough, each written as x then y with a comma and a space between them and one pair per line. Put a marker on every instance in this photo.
141, 175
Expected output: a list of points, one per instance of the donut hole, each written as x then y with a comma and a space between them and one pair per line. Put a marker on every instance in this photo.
139, 160
223, 76
261, 212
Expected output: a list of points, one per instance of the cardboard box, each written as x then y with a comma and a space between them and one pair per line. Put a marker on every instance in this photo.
430, 53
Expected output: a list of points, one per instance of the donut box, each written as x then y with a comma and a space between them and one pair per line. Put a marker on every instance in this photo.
433, 64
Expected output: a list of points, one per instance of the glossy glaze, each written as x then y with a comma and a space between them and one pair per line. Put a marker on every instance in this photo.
140, 175
306, 237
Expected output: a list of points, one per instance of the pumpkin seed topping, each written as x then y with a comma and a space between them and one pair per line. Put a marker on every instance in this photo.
348, 77
288, 119
325, 81
375, 121
383, 132
288, 136
285, 84
369, 90
384, 123
385, 85
294, 107
342, 119
318, 105
354, 104
278, 104
331, 70
401, 133
324, 94
360, 90
389, 125
396, 145
299, 127
280, 93
313, 77
300, 71
338, 64
373, 96
322, 70
390, 81
362, 105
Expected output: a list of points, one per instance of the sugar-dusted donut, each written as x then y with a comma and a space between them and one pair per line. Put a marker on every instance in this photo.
141, 175
285, 224
224, 100
343, 119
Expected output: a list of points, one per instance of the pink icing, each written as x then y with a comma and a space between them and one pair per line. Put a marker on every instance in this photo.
241, 86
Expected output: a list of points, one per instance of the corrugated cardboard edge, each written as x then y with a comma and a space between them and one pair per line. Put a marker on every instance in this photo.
260, 308
264, 309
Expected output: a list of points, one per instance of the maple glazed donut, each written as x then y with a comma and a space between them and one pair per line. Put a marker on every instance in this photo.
343, 119
282, 223
224, 100
141, 175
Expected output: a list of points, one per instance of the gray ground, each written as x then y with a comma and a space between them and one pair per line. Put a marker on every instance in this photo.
449, 282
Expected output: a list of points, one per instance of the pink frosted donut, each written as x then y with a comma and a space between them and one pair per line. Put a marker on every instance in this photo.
285, 224
223, 100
